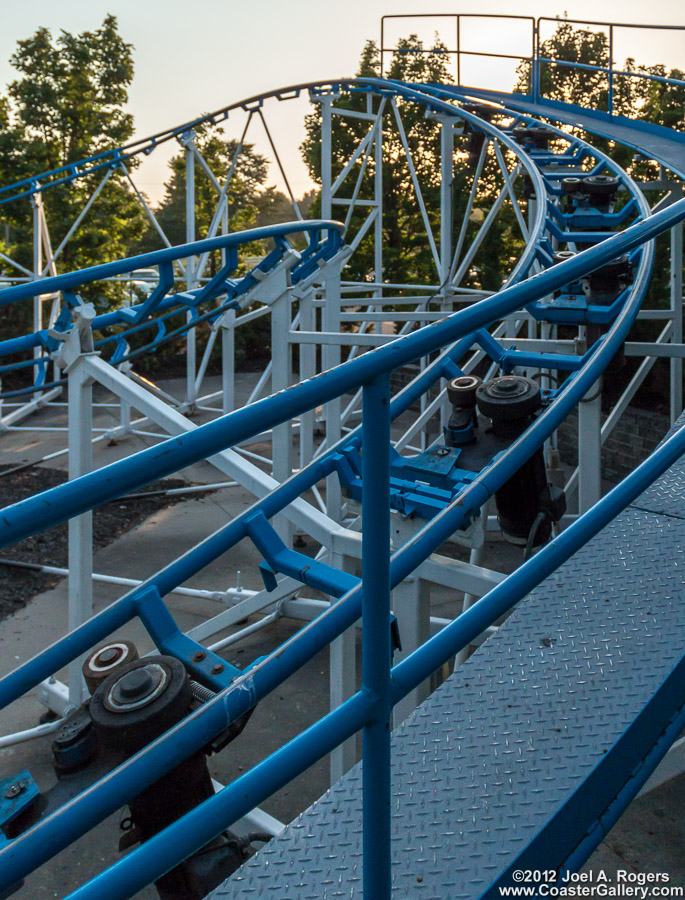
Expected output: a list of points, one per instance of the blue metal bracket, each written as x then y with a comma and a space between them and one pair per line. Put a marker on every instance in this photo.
17, 793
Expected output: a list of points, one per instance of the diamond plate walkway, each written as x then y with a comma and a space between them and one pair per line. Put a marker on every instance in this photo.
526, 755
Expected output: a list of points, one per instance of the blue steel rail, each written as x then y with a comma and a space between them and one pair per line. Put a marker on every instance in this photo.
239, 691
140, 315
528, 754
665, 145
324, 241
368, 709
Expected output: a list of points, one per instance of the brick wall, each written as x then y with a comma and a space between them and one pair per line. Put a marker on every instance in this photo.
635, 436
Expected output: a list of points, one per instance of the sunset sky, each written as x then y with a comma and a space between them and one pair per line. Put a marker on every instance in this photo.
192, 58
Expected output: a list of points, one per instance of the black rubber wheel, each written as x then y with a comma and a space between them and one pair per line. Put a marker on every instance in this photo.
509, 397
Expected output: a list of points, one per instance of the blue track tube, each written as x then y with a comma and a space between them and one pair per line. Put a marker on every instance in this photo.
343, 614
376, 650
265, 675
463, 630
424, 543
418, 548
70, 280
91, 490
196, 828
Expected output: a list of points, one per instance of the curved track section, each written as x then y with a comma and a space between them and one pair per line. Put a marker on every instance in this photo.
163, 304
434, 767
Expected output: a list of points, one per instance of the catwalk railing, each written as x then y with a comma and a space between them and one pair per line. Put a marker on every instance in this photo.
535, 60
382, 685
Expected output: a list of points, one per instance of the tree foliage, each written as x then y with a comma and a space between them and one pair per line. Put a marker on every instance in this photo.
244, 190
68, 103
407, 256
71, 93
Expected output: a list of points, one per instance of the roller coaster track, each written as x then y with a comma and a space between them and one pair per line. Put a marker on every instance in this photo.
541, 824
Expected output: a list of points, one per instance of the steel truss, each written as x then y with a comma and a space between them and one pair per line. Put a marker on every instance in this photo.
311, 305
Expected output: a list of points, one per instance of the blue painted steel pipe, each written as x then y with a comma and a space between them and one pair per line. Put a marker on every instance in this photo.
444, 524
462, 631
196, 828
118, 478
70, 280
103, 798
340, 615
376, 650
330, 623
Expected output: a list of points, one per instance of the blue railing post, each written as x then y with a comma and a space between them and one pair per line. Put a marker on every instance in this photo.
535, 63
376, 650
611, 70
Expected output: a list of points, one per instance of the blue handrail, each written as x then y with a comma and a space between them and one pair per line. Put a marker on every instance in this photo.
196, 828
89, 491
368, 709
70, 280
160, 304
263, 676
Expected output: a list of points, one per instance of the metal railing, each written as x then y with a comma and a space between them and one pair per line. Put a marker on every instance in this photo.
535, 59
382, 684
324, 241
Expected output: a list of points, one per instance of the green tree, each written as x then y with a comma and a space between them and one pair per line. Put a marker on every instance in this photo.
245, 190
68, 103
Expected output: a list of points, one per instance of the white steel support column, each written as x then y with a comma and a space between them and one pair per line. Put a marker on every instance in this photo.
532, 327
326, 173
307, 370
378, 200
331, 311
331, 358
590, 448
677, 310
80, 527
343, 681
411, 605
282, 440
37, 210
446, 223
342, 650
446, 199
190, 270
228, 361
227, 326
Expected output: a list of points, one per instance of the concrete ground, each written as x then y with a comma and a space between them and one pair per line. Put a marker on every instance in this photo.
649, 837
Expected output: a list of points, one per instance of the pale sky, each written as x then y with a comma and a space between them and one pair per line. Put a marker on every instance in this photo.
194, 57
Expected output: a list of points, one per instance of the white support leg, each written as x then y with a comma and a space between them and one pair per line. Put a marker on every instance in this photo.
37, 208
446, 224
282, 442
590, 448
677, 310
475, 559
228, 361
331, 310
307, 370
191, 345
80, 527
124, 417
332, 410
343, 684
411, 605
